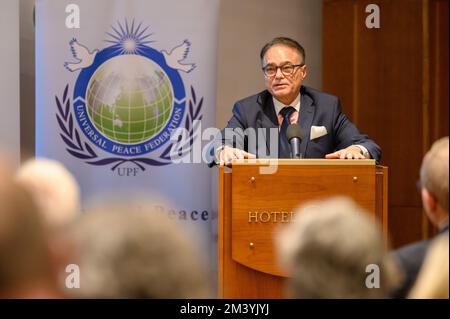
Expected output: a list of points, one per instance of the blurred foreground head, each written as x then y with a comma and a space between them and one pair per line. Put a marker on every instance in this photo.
25, 268
53, 188
327, 249
432, 282
131, 251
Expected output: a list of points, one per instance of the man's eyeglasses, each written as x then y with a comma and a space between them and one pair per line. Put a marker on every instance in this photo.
287, 69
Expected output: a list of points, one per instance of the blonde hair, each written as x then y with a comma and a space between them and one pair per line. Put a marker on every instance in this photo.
432, 282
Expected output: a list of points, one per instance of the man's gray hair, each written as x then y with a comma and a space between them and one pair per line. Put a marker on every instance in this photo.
286, 42
434, 171
133, 251
327, 249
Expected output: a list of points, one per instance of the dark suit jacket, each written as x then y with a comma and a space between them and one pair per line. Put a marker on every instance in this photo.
316, 109
410, 258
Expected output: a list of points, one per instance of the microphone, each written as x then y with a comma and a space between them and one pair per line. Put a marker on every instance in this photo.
294, 136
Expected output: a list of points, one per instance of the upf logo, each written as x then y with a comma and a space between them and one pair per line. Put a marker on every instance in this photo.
127, 100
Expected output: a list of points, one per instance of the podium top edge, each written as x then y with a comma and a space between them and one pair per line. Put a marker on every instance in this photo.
286, 161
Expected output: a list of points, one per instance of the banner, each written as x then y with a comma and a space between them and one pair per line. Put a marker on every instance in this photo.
114, 80
9, 80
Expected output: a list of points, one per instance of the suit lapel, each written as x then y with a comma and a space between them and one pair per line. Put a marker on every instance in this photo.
305, 120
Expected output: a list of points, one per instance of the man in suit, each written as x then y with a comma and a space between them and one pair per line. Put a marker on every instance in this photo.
258, 125
434, 191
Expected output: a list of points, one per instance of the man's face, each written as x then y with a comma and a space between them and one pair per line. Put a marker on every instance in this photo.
284, 88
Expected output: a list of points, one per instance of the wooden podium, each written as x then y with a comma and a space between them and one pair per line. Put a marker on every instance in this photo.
256, 196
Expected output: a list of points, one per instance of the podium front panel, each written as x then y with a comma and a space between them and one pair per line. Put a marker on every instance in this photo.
253, 205
262, 203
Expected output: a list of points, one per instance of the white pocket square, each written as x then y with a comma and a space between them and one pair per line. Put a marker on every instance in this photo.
317, 131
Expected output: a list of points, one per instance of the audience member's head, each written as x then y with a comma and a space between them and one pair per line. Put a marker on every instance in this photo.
434, 182
329, 249
432, 282
25, 267
56, 193
131, 251
53, 188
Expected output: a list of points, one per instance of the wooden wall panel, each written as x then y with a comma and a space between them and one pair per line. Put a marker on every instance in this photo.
439, 101
393, 82
406, 225
337, 58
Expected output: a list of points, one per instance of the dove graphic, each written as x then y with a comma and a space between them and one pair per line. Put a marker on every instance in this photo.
82, 54
178, 54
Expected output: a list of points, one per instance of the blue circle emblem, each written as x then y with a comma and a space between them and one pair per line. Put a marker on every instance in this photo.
129, 104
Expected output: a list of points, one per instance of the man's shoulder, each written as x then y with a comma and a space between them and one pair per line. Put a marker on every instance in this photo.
410, 259
262, 98
413, 253
253, 104
319, 97
258, 98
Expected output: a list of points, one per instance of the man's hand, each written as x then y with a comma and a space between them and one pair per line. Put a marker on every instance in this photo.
351, 152
227, 154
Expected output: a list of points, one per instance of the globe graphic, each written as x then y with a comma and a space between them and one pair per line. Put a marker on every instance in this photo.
129, 99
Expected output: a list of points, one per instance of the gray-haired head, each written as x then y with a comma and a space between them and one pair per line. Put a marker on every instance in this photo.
328, 249
132, 251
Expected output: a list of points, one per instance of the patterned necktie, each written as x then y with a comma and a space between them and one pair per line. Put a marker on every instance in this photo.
284, 147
